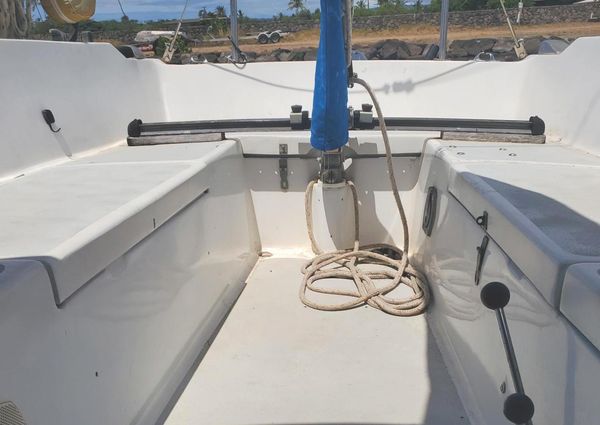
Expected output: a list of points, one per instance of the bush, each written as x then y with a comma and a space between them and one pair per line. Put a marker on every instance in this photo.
162, 43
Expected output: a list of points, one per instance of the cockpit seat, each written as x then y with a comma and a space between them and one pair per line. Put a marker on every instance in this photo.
580, 301
541, 202
78, 217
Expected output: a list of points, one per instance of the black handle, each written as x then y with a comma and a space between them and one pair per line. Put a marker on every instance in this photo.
49, 118
518, 407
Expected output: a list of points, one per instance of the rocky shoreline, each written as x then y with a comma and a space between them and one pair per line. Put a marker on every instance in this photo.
392, 49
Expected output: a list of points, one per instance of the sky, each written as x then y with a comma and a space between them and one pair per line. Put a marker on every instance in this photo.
144, 10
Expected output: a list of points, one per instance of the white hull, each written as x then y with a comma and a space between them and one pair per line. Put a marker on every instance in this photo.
104, 313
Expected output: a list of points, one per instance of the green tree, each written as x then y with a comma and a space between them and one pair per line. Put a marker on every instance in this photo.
361, 4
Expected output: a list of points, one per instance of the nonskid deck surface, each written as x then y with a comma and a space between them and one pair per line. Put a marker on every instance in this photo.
276, 361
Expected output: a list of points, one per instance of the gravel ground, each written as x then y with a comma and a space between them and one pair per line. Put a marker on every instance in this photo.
422, 34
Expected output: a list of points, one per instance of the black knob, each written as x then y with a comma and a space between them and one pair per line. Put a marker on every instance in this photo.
367, 107
518, 408
538, 126
296, 109
495, 295
134, 129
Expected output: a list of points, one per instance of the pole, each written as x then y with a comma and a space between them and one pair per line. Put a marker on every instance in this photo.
235, 57
444, 29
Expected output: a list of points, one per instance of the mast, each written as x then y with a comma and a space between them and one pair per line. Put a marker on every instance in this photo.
233, 12
444, 12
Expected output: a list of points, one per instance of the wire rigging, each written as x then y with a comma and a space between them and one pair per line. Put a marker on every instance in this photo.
122, 10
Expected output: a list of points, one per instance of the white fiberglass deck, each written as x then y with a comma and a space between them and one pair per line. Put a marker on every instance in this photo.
278, 362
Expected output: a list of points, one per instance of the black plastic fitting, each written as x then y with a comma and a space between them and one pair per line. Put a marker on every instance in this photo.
134, 129
495, 295
538, 126
518, 408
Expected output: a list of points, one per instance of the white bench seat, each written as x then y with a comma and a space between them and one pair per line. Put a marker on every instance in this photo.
541, 202
580, 301
79, 217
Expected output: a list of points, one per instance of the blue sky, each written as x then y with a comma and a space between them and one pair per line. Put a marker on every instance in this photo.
168, 9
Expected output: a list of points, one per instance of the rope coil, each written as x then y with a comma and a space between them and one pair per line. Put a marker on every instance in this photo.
15, 18
385, 262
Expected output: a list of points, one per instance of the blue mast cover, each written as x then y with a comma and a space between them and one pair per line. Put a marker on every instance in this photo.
329, 128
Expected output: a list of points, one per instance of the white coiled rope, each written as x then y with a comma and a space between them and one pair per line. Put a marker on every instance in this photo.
15, 18
384, 262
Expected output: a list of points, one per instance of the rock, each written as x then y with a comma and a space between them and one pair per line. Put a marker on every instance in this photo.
403, 50
250, 55
394, 49
281, 54
415, 49
503, 45
471, 48
506, 57
532, 44
296, 55
210, 57
284, 57
310, 55
267, 58
291, 56
389, 50
456, 50
372, 53
379, 44
185, 58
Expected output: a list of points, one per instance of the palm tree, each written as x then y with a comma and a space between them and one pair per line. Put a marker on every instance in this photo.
220, 11
296, 5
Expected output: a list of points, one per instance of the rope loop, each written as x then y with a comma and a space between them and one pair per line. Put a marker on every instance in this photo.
375, 270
